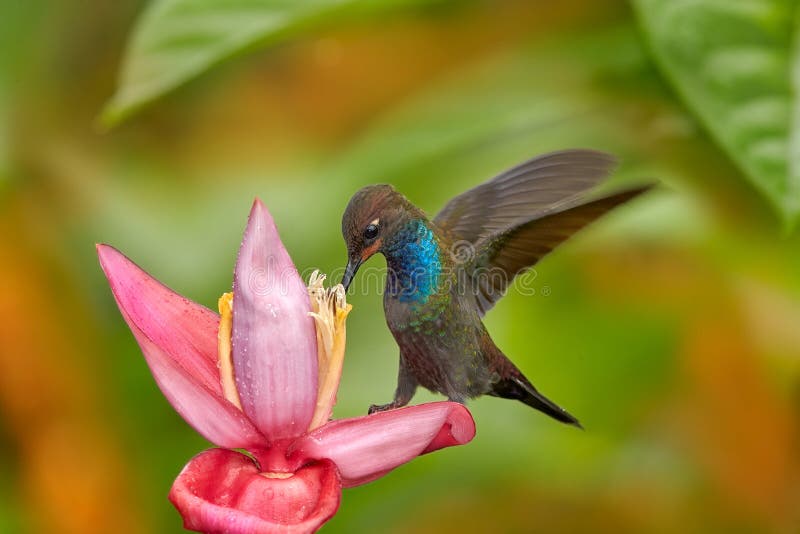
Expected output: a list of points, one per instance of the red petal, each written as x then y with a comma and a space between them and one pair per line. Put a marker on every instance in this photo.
366, 448
221, 490
179, 341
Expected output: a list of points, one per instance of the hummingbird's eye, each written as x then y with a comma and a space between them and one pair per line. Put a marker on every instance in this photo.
371, 231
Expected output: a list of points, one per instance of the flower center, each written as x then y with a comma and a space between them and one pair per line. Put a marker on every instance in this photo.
329, 309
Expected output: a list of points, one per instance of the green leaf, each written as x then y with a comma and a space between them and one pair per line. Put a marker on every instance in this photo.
177, 40
731, 61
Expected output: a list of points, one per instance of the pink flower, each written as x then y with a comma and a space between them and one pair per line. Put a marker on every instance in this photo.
263, 377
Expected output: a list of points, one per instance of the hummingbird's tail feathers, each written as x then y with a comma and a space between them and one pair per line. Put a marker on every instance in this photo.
522, 390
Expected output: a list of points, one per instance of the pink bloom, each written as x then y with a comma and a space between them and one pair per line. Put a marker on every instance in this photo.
263, 377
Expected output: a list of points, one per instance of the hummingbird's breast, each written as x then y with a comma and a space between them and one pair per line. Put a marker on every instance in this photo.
442, 343
440, 336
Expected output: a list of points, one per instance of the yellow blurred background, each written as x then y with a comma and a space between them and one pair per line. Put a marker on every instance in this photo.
671, 328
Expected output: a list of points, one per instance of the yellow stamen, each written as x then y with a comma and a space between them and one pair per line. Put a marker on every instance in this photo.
225, 361
329, 310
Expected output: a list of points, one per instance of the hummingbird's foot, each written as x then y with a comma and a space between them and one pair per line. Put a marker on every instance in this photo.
375, 408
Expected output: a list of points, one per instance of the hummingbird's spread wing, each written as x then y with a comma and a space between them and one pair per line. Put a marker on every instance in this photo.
517, 217
543, 185
500, 257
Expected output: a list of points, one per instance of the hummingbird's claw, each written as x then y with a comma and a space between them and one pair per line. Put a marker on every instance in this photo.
375, 408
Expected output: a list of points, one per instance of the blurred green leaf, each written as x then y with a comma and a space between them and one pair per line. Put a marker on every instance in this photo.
590, 89
731, 62
177, 40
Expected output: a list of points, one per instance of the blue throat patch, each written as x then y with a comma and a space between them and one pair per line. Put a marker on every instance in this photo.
414, 265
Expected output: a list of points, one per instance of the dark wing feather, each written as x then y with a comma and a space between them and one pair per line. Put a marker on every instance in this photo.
546, 184
502, 256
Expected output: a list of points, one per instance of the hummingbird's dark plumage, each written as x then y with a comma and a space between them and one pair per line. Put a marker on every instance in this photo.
445, 274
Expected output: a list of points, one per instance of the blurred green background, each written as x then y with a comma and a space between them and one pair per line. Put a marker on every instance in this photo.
671, 328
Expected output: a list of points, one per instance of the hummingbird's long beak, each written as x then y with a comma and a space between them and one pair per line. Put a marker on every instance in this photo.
352, 267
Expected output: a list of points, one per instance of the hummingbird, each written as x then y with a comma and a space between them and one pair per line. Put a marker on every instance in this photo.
445, 273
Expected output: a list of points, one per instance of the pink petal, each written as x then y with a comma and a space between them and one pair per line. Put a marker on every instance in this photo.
179, 341
366, 448
274, 340
222, 491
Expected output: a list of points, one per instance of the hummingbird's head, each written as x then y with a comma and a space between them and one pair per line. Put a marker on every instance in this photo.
371, 217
